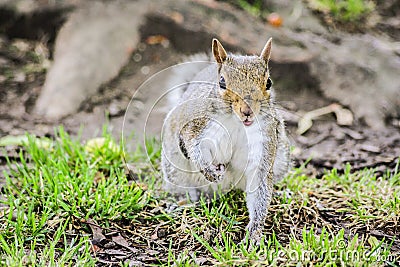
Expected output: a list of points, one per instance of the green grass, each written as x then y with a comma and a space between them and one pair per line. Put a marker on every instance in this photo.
344, 10
58, 189
51, 186
347, 12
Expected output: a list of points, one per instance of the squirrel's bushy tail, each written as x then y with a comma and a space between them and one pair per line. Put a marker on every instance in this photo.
182, 74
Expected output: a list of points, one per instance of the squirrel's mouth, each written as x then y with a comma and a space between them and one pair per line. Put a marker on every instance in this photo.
247, 122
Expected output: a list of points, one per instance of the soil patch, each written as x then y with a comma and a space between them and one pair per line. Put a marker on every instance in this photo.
327, 144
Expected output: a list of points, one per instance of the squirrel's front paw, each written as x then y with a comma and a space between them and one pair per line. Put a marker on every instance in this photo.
214, 172
218, 169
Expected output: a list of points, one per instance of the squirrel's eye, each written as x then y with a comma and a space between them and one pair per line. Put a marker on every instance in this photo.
222, 83
269, 84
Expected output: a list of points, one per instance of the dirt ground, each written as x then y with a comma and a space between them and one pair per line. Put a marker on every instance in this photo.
23, 65
326, 144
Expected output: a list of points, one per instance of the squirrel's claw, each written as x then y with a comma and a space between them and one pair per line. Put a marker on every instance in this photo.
253, 235
214, 172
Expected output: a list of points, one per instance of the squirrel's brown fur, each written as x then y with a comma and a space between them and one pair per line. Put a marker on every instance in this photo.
226, 132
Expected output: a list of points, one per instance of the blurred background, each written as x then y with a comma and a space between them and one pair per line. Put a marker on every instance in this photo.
335, 67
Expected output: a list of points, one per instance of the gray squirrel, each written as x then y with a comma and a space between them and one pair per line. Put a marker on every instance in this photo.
226, 132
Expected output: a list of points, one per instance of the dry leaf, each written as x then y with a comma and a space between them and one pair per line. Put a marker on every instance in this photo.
97, 232
373, 241
304, 124
177, 17
115, 252
156, 39
120, 240
154, 236
94, 248
275, 19
101, 143
343, 117
370, 148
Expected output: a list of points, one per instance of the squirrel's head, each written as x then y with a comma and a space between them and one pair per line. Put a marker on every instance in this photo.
244, 82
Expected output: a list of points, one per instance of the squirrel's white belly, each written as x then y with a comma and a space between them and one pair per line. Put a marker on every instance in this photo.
237, 146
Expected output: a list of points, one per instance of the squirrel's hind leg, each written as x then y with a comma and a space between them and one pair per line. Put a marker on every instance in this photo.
257, 205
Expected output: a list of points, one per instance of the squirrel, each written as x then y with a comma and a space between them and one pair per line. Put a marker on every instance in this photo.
226, 132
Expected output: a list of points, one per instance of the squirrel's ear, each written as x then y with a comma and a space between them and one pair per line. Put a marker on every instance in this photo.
266, 52
218, 51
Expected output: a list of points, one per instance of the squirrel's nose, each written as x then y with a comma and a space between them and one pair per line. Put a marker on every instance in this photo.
246, 111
